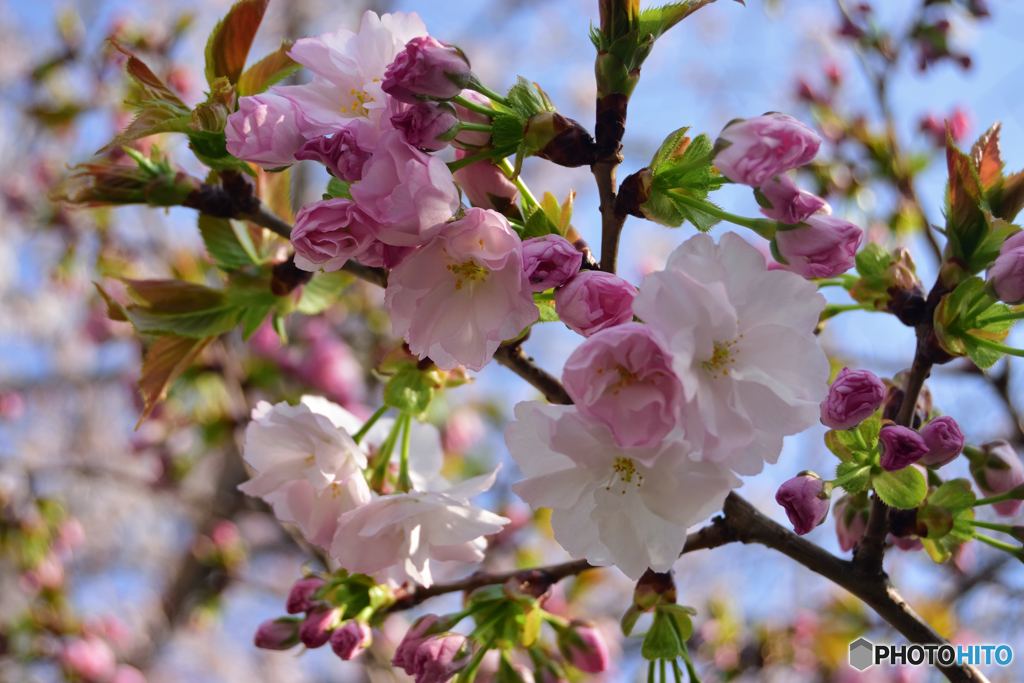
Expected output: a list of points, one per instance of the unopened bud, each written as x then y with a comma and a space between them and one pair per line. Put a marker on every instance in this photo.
583, 646
633, 193
277, 634
654, 588
300, 598
559, 139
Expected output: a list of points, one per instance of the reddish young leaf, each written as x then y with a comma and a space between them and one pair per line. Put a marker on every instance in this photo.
986, 158
273, 68
228, 46
165, 360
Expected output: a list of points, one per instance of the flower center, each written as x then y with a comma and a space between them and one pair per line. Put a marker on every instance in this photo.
722, 358
358, 106
468, 271
627, 378
623, 472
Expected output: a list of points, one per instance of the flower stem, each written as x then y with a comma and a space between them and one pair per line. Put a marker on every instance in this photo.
474, 84
1013, 531
474, 106
832, 310
518, 180
690, 670
358, 436
650, 672
454, 166
677, 671
762, 227
849, 476
996, 346
403, 468
1014, 550
1017, 315
481, 127
380, 468
1016, 493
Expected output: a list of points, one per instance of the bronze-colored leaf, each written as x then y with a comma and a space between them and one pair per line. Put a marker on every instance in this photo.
165, 360
276, 192
228, 46
271, 69
1011, 199
986, 158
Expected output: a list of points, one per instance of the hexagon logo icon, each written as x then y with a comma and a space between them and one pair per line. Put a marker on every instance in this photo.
862, 654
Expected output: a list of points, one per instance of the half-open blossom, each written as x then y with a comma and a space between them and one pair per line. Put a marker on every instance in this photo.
421, 629
999, 471
611, 505
348, 69
805, 501
277, 634
264, 131
899, 447
409, 193
427, 68
486, 186
440, 657
456, 299
427, 125
330, 232
341, 153
944, 439
743, 346
583, 646
623, 377
753, 150
824, 246
550, 261
787, 203
308, 468
851, 522
403, 531
300, 597
315, 630
349, 641
852, 398
593, 301
1006, 276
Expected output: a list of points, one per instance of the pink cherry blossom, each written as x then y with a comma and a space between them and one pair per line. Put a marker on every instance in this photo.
787, 203
427, 68
330, 232
277, 634
825, 246
805, 502
753, 150
264, 131
486, 186
427, 125
410, 194
456, 299
593, 301
341, 153
550, 261
743, 346
623, 377
300, 597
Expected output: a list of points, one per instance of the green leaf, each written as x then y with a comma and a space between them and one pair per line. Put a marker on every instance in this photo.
861, 482
166, 358
903, 489
701, 220
936, 521
872, 261
533, 618
174, 307
681, 615
272, 69
869, 430
982, 356
834, 441
655, 21
955, 495
409, 390
224, 244
547, 311
211, 149
526, 99
629, 619
670, 148
339, 189
253, 317
661, 641
323, 291
228, 45
538, 224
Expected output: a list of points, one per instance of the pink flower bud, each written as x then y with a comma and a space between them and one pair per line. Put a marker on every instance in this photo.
852, 398
998, 472
330, 232
89, 658
825, 246
440, 657
277, 634
593, 300
1006, 276
786, 202
944, 439
300, 598
485, 185
405, 653
264, 131
427, 125
623, 376
473, 138
550, 261
805, 501
583, 646
427, 68
128, 674
851, 522
900, 446
753, 150
316, 628
340, 153
349, 641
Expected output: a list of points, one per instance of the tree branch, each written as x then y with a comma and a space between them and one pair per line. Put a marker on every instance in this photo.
513, 358
611, 221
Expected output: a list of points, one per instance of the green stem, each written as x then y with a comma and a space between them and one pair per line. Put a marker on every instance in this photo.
404, 484
518, 180
469, 673
358, 436
979, 299
985, 321
1016, 493
677, 671
664, 678
650, 672
1002, 528
691, 671
474, 84
474, 106
762, 227
996, 346
852, 474
832, 310
481, 127
974, 454
454, 166
833, 282
1014, 550
380, 467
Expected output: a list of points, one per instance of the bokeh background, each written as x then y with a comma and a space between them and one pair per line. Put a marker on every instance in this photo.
138, 535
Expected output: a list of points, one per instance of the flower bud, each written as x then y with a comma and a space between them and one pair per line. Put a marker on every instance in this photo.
550, 261
900, 446
999, 471
781, 200
89, 658
824, 246
440, 657
473, 138
300, 598
752, 151
316, 628
1006, 276
805, 500
349, 641
277, 634
427, 68
593, 300
128, 674
633, 193
583, 646
330, 232
853, 397
423, 628
560, 140
654, 588
428, 125
264, 131
851, 522
340, 153
486, 186
944, 439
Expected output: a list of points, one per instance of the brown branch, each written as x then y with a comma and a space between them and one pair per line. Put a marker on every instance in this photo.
611, 220
513, 358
